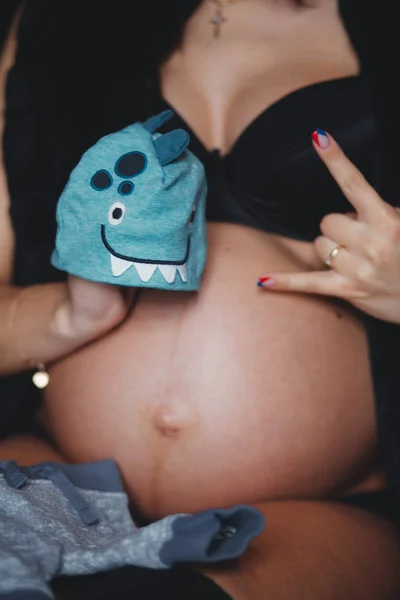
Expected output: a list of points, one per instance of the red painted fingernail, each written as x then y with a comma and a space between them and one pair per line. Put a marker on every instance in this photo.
265, 281
321, 138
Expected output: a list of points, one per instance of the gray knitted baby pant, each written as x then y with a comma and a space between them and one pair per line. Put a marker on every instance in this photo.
74, 520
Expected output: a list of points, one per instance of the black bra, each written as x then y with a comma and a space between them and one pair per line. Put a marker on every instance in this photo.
272, 179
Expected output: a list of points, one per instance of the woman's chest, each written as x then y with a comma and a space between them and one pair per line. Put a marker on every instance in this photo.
263, 53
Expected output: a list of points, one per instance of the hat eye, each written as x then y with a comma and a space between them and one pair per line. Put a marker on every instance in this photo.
116, 213
131, 164
101, 180
125, 188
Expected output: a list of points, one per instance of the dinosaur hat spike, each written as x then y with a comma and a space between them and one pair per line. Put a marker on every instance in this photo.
154, 123
171, 145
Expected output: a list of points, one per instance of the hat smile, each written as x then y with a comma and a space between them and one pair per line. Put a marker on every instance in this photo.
145, 268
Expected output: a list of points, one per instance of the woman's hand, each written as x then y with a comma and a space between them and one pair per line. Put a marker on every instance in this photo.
362, 250
43, 323
92, 309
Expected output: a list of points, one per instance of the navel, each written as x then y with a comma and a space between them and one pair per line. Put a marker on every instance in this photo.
170, 420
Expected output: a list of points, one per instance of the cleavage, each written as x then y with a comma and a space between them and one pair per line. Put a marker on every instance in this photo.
220, 90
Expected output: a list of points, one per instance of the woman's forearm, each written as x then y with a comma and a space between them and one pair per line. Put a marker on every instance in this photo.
34, 326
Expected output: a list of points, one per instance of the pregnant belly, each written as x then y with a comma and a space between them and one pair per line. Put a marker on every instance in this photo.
230, 395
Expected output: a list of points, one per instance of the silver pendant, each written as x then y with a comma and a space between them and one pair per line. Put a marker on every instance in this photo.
217, 21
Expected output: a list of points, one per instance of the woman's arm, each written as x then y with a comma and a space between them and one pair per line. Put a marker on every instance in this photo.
6, 237
43, 323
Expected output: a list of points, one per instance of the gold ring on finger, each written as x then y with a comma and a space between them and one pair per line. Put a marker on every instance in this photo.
333, 254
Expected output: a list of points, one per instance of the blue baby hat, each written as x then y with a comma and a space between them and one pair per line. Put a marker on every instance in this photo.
133, 211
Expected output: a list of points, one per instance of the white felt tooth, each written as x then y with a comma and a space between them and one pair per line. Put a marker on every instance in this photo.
169, 272
119, 265
145, 271
183, 272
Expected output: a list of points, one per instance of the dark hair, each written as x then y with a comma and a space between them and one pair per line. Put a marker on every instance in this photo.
90, 62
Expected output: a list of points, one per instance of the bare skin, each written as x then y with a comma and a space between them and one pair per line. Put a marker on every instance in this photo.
193, 375
155, 394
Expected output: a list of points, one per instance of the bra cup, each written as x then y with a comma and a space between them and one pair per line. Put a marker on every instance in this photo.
292, 197
272, 179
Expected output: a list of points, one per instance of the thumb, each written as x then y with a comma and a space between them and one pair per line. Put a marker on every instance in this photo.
327, 283
94, 306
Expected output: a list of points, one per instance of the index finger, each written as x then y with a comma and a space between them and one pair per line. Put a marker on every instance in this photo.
351, 181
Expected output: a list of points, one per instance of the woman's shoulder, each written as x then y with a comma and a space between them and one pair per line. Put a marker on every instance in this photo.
7, 57
8, 9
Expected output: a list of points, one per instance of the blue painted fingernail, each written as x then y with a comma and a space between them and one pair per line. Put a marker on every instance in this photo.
321, 138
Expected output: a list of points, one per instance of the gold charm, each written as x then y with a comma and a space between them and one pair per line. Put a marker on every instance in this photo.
41, 378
